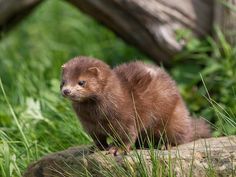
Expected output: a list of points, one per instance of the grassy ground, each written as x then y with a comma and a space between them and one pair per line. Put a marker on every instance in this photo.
35, 119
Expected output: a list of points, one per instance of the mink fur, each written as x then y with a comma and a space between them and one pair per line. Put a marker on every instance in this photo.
134, 102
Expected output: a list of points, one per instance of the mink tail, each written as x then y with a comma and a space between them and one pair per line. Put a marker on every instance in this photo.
201, 129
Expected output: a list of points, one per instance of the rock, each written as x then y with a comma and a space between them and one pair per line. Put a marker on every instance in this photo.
205, 157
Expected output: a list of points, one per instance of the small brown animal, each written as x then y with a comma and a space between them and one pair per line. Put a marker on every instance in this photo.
131, 103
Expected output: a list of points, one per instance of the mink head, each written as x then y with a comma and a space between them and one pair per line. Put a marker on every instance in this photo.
84, 78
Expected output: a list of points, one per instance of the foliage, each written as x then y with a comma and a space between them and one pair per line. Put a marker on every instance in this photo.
206, 75
35, 119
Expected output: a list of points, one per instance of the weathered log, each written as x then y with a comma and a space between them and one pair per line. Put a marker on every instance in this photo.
151, 25
12, 11
225, 18
200, 158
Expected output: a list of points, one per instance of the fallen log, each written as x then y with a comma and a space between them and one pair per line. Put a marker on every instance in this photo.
214, 156
151, 25
13, 11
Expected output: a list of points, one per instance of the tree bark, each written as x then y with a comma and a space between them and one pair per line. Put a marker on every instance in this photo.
151, 25
206, 157
225, 19
13, 11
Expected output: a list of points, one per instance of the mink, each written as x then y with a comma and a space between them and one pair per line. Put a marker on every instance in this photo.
132, 103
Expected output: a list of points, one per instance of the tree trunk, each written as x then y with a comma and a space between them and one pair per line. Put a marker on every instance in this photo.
225, 19
151, 25
12, 11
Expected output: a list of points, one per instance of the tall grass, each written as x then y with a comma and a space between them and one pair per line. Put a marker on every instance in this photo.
206, 76
36, 120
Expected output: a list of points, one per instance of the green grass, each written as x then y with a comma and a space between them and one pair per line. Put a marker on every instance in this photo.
36, 120
206, 69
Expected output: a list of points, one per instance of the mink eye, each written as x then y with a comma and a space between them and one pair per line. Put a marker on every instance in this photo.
62, 83
82, 83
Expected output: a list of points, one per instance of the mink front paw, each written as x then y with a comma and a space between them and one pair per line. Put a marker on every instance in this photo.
118, 150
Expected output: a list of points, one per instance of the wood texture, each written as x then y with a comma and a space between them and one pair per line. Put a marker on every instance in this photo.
151, 25
215, 156
225, 19
12, 11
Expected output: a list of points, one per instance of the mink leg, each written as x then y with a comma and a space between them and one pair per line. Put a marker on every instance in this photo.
100, 142
119, 150
125, 145
177, 136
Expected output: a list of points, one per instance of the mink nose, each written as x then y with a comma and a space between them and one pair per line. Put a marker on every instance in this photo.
66, 92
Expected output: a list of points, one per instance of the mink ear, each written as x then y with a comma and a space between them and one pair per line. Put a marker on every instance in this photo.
94, 70
63, 66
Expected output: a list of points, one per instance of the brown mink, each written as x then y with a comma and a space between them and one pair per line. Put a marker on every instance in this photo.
132, 103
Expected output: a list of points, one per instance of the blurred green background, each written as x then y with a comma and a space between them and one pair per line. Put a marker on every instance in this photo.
35, 119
